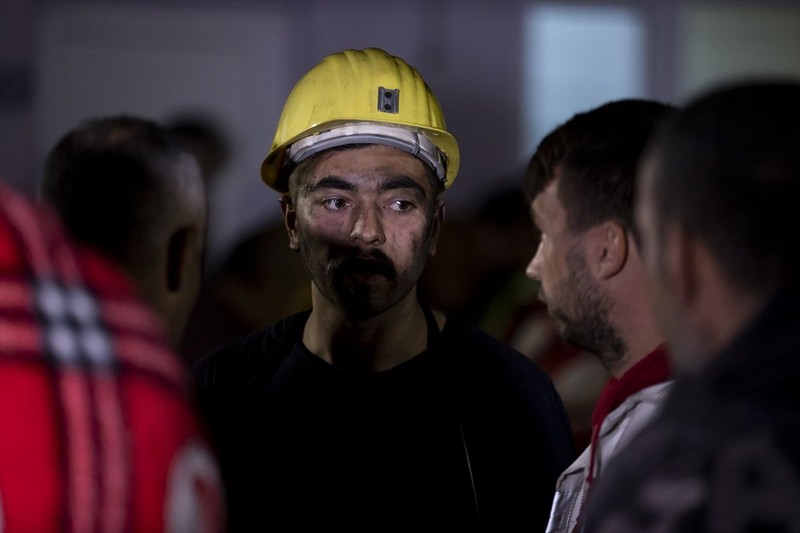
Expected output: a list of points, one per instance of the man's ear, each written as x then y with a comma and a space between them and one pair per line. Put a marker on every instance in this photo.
178, 254
290, 221
608, 248
436, 226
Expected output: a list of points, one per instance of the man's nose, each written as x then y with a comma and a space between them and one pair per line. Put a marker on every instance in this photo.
368, 227
533, 271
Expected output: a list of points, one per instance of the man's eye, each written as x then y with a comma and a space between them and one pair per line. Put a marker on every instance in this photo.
334, 204
401, 205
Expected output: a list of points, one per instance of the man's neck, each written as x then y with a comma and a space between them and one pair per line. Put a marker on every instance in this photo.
638, 328
372, 344
632, 313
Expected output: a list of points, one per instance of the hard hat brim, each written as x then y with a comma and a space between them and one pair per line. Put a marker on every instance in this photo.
443, 153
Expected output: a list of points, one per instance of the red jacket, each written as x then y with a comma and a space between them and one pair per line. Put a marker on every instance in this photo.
96, 429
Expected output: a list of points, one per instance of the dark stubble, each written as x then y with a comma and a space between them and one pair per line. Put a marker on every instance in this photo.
589, 327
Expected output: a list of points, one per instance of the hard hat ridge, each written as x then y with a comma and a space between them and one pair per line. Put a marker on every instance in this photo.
357, 97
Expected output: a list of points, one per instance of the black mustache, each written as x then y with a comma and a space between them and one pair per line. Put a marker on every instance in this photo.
370, 261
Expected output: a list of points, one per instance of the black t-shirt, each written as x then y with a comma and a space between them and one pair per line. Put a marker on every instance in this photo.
467, 436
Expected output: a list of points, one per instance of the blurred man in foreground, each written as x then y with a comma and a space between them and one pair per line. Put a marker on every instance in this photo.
97, 432
130, 189
717, 209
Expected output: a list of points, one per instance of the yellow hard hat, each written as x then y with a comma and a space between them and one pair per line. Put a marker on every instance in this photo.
357, 97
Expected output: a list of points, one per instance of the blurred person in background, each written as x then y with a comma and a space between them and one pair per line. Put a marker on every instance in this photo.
467, 273
580, 183
717, 209
371, 411
127, 187
260, 282
97, 431
204, 138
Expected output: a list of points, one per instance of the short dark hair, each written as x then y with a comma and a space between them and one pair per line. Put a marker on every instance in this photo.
728, 171
598, 152
112, 180
206, 139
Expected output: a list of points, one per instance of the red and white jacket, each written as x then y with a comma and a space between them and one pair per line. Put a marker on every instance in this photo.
97, 431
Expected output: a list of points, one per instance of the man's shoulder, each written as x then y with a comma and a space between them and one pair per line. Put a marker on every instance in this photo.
238, 359
473, 343
752, 481
690, 472
637, 409
458, 332
473, 352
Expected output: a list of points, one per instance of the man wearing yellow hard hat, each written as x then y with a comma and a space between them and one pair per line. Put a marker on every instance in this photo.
370, 411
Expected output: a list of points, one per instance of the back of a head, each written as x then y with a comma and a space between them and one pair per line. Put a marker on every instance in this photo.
206, 140
728, 171
128, 188
110, 179
597, 152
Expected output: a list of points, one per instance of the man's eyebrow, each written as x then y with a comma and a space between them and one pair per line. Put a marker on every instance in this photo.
330, 182
388, 184
402, 182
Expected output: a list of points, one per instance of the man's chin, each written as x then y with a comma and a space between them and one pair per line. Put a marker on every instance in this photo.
562, 325
364, 280
555, 315
362, 285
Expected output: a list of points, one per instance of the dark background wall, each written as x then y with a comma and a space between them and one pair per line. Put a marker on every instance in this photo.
235, 61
